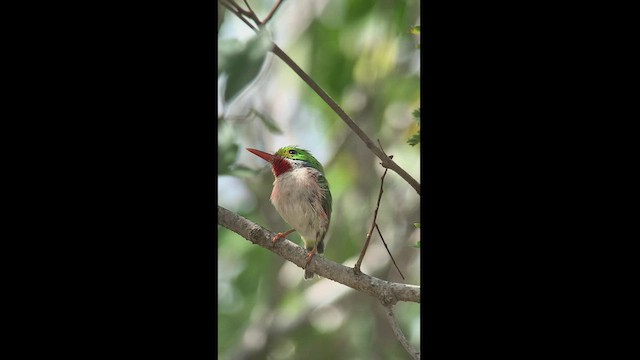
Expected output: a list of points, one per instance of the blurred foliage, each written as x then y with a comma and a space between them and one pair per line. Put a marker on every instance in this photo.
241, 62
415, 138
362, 55
415, 31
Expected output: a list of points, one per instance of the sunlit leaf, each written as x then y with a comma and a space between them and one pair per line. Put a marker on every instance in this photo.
415, 31
415, 138
417, 225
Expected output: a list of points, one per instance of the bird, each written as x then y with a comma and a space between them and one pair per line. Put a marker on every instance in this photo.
301, 196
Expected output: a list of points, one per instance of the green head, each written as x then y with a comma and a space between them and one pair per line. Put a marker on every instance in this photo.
288, 158
293, 152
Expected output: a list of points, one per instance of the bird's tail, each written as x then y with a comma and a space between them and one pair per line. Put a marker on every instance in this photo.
308, 275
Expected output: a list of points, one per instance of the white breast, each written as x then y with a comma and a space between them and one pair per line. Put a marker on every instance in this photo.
295, 197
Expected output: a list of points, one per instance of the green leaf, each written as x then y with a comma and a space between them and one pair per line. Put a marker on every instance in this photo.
414, 139
227, 50
267, 120
242, 62
415, 31
417, 225
417, 245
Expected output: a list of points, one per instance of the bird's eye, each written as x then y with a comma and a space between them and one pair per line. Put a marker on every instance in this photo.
292, 152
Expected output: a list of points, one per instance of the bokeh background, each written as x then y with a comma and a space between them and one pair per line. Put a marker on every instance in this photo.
362, 53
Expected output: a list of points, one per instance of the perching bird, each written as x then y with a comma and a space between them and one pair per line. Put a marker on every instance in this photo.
301, 196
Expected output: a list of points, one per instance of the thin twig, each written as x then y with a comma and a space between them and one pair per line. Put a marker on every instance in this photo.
389, 251
272, 12
398, 332
248, 6
229, 4
385, 291
240, 12
356, 268
237, 11
377, 227
252, 14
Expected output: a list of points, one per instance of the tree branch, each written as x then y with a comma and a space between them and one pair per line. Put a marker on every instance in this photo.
398, 332
385, 291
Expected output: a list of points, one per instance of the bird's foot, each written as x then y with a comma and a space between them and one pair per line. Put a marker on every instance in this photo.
310, 256
281, 236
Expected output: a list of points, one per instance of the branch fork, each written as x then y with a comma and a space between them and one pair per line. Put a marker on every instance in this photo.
386, 291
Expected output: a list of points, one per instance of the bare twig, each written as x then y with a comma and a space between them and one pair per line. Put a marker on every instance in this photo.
248, 6
386, 291
252, 14
398, 332
386, 161
240, 12
389, 251
230, 4
237, 11
272, 12
356, 268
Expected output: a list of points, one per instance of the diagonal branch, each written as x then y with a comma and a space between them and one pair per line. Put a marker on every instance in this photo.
389, 251
385, 291
398, 332
386, 161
